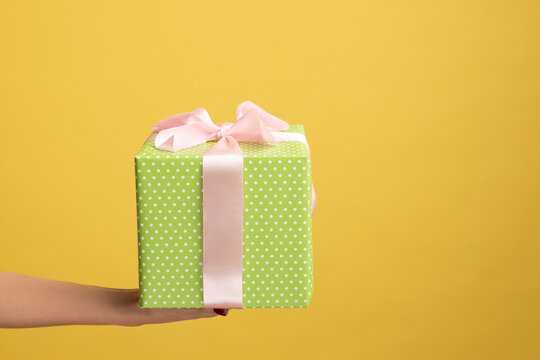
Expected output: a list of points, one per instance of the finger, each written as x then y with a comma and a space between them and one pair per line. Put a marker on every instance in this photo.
155, 316
222, 312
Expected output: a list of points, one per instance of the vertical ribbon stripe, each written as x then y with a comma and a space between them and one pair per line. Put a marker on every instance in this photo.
223, 210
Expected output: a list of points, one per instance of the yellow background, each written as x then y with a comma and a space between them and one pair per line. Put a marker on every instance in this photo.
423, 118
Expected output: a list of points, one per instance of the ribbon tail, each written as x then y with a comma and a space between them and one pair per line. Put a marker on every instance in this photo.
280, 136
284, 136
313, 199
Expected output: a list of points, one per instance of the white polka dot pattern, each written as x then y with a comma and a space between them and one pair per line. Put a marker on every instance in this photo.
278, 264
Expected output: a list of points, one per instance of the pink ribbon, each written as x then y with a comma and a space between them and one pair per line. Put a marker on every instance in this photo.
223, 200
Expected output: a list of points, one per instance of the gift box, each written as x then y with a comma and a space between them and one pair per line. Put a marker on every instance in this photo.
275, 244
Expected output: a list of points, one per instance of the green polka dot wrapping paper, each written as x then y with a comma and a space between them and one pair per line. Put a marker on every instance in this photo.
277, 241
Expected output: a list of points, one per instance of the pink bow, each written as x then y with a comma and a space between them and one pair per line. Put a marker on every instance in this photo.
182, 131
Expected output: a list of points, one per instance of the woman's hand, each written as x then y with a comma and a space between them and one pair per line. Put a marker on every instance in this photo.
28, 301
127, 303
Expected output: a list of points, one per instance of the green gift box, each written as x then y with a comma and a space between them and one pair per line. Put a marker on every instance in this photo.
277, 245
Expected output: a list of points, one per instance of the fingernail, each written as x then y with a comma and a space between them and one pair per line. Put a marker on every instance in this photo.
222, 312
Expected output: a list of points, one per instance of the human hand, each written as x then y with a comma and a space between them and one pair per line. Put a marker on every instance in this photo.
131, 314
28, 301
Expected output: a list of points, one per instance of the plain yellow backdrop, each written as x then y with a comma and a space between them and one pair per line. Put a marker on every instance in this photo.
424, 122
